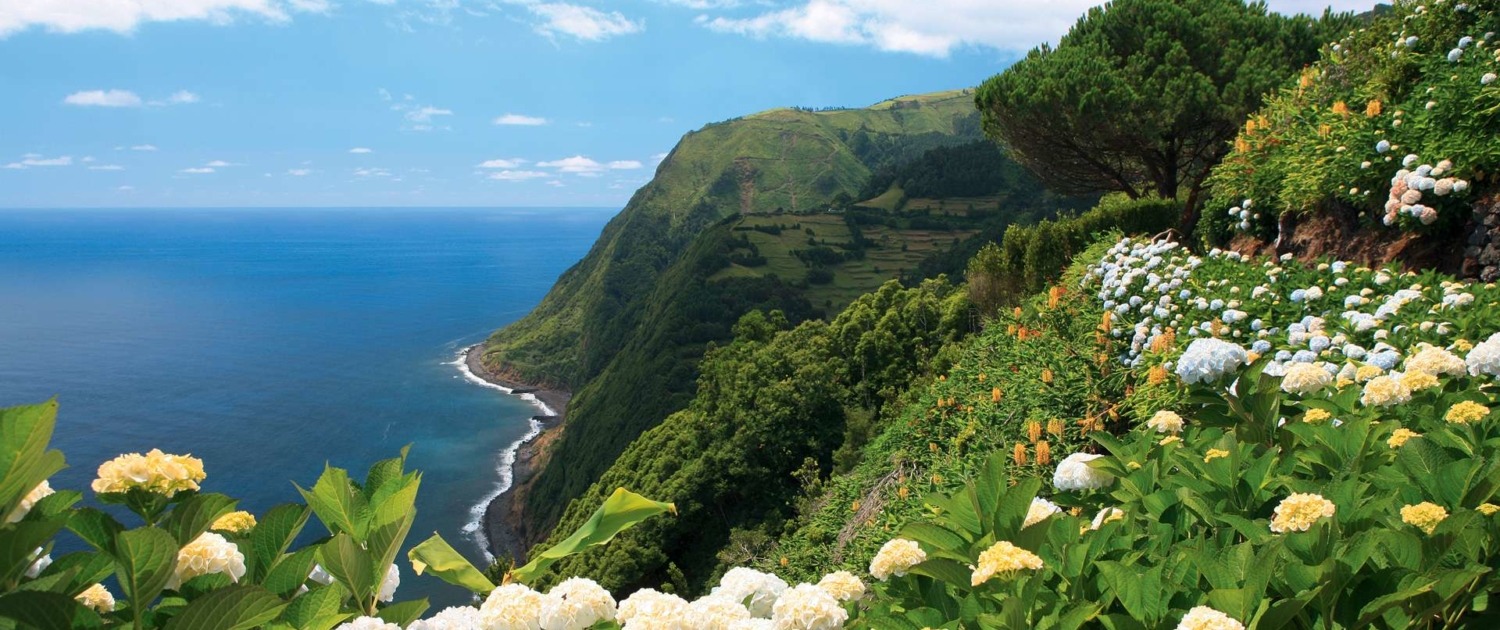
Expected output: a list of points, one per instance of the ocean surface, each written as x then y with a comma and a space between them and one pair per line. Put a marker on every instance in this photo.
270, 341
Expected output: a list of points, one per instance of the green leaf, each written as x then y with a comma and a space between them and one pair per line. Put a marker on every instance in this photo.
89, 568
55, 504
25, 461
437, 556
384, 471
47, 611
95, 528
343, 559
238, 607
272, 535
619, 512
144, 559
935, 537
944, 570
19, 544
290, 572
195, 515
335, 501
404, 613
320, 602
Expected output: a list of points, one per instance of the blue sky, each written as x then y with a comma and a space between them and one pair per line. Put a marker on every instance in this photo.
140, 103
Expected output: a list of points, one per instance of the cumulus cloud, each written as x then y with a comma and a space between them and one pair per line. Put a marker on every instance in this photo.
201, 170
517, 176
372, 172
938, 27
576, 164
518, 119
425, 113
502, 163
72, 16
106, 167
299, 172
219, 164
143, 147
625, 164
103, 98
580, 22
361, 150
182, 97
31, 160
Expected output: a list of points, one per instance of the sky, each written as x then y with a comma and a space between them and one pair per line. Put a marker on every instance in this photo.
208, 103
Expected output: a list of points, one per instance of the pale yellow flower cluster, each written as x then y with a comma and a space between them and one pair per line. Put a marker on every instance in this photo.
155, 472
1466, 412
1383, 391
511, 607
1005, 560
895, 558
843, 585
1165, 422
1424, 516
1436, 362
208, 553
98, 598
1205, 618
1305, 378
1213, 454
1488, 509
1418, 381
237, 522
1316, 416
1366, 373
1299, 511
1400, 437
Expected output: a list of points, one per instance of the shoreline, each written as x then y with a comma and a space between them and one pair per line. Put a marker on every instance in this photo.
515, 462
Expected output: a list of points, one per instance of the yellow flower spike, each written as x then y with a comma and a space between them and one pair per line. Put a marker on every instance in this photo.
903, 492
1019, 456
1341, 108
995, 395
1055, 427
1424, 516
1488, 509
1158, 375
1034, 431
1043, 453
981, 377
1047, 375
1372, 108
1016, 311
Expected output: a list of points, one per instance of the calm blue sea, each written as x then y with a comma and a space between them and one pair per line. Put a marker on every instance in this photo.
269, 341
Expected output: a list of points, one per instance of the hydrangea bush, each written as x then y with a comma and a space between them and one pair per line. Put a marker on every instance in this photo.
1396, 119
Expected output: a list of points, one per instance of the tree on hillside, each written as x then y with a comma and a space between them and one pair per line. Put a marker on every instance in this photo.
1143, 96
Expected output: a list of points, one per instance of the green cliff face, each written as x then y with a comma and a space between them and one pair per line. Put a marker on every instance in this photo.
626, 326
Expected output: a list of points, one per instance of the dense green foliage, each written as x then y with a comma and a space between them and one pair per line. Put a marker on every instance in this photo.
975, 169
775, 401
1317, 140
1142, 96
1032, 256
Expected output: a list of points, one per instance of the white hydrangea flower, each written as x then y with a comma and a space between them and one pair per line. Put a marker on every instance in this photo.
1074, 474
648, 609
208, 553
1205, 618
512, 607
1208, 360
575, 604
367, 623
389, 584
1305, 378
1435, 361
1039, 511
453, 618
756, 589
1484, 357
807, 607
40, 565
41, 491
848, 587
716, 612
896, 557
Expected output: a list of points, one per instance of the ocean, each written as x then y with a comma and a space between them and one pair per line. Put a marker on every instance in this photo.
270, 341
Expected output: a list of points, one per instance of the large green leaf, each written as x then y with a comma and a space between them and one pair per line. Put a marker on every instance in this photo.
321, 602
619, 512
95, 528
404, 613
25, 461
89, 568
438, 557
272, 535
47, 611
238, 607
19, 544
144, 559
290, 572
195, 515
335, 501
352, 566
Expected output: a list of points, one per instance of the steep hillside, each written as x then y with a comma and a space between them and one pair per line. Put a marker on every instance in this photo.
626, 326
787, 159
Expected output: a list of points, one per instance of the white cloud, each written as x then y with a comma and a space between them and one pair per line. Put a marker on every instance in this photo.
86, 159
106, 167
299, 172
576, 164
182, 97
938, 27
502, 163
585, 23
425, 113
143, 147
123, 16
625, 164
556, 183
518, 119
125, 188
361, 150
32, 160
518, 176
372, 172
219, 164
197, 171
103, 98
